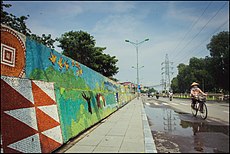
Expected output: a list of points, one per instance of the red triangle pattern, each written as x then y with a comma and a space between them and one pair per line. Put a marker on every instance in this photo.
47, 144
44, 121
14, 130
40, 97
11, 99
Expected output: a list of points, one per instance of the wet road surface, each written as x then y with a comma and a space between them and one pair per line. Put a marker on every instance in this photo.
181, 132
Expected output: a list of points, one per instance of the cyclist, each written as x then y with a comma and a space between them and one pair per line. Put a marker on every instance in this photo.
194, 93
170, 95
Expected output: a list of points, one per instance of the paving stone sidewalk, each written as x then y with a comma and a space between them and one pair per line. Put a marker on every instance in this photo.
125, 131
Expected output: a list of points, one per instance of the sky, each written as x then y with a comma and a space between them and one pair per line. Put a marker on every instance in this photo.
179, 29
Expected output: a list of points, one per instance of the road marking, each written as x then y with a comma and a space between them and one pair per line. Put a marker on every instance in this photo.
174, 104
183, 103
226, 111
156, 103
165, 103
147, 103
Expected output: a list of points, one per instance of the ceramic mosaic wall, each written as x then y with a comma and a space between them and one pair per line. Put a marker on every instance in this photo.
84, 96
50, 86
12, 52
29, 116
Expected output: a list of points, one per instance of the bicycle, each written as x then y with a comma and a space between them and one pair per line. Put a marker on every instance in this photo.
197, 107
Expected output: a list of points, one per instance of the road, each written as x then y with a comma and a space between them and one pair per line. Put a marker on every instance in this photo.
218, 111
175, 129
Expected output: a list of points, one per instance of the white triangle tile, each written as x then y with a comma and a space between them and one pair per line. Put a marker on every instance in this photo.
30, 144
25, 115
48, 88
55, 134
23, 86
1, 145
50, 110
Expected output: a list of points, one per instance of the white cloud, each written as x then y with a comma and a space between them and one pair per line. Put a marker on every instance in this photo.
70, 8
111, 23
117, 25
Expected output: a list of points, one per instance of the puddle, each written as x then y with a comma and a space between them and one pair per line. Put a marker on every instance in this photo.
177, 123
189, 133
166, 120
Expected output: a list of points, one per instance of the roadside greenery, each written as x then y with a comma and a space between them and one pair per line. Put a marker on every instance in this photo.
212, 73
19, 24
80, 46
77, 45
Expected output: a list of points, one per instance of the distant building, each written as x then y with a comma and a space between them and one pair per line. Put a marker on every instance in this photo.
129, 86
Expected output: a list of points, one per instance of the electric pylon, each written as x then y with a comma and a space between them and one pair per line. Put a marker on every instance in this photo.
167, 71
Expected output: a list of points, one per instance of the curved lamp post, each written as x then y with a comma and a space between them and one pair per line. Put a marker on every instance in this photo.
136, 45
138, 78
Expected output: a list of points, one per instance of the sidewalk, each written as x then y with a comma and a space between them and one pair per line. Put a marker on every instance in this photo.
125, 131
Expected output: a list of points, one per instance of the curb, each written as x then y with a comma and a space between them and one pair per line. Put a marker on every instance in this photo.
150, 146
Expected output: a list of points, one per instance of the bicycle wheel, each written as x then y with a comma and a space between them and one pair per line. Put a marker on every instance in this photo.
194, 110
204, 114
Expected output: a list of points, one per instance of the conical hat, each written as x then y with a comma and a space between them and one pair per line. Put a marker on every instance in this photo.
194, 84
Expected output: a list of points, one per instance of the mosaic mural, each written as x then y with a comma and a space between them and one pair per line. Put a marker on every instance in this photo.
12, 52
51, 98
83, 95
29, 116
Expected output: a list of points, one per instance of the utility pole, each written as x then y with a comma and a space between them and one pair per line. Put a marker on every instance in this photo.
166, 68
136, 45
162, 83
170, 124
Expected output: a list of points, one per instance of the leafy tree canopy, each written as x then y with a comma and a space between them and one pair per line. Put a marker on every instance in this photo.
19, 24
219, 51
80, 46
212, 73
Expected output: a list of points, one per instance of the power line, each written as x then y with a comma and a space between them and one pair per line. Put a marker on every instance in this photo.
194, 23
202, 28
194, 49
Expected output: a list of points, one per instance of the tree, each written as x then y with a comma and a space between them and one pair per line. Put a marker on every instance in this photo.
184, 77
80, 46
45, 40
19, 24
77, 45
212, 73
201, 73
174, 85
14, 22
152, 90
196, 71
209, 81
219, 52
105, 64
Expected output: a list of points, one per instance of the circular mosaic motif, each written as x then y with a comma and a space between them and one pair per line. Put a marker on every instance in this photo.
12, 53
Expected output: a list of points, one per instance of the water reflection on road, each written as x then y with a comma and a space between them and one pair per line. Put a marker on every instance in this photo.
181, 132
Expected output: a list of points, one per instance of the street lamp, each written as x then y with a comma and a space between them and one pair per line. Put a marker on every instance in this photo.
139, 79
136, 45
136, 68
